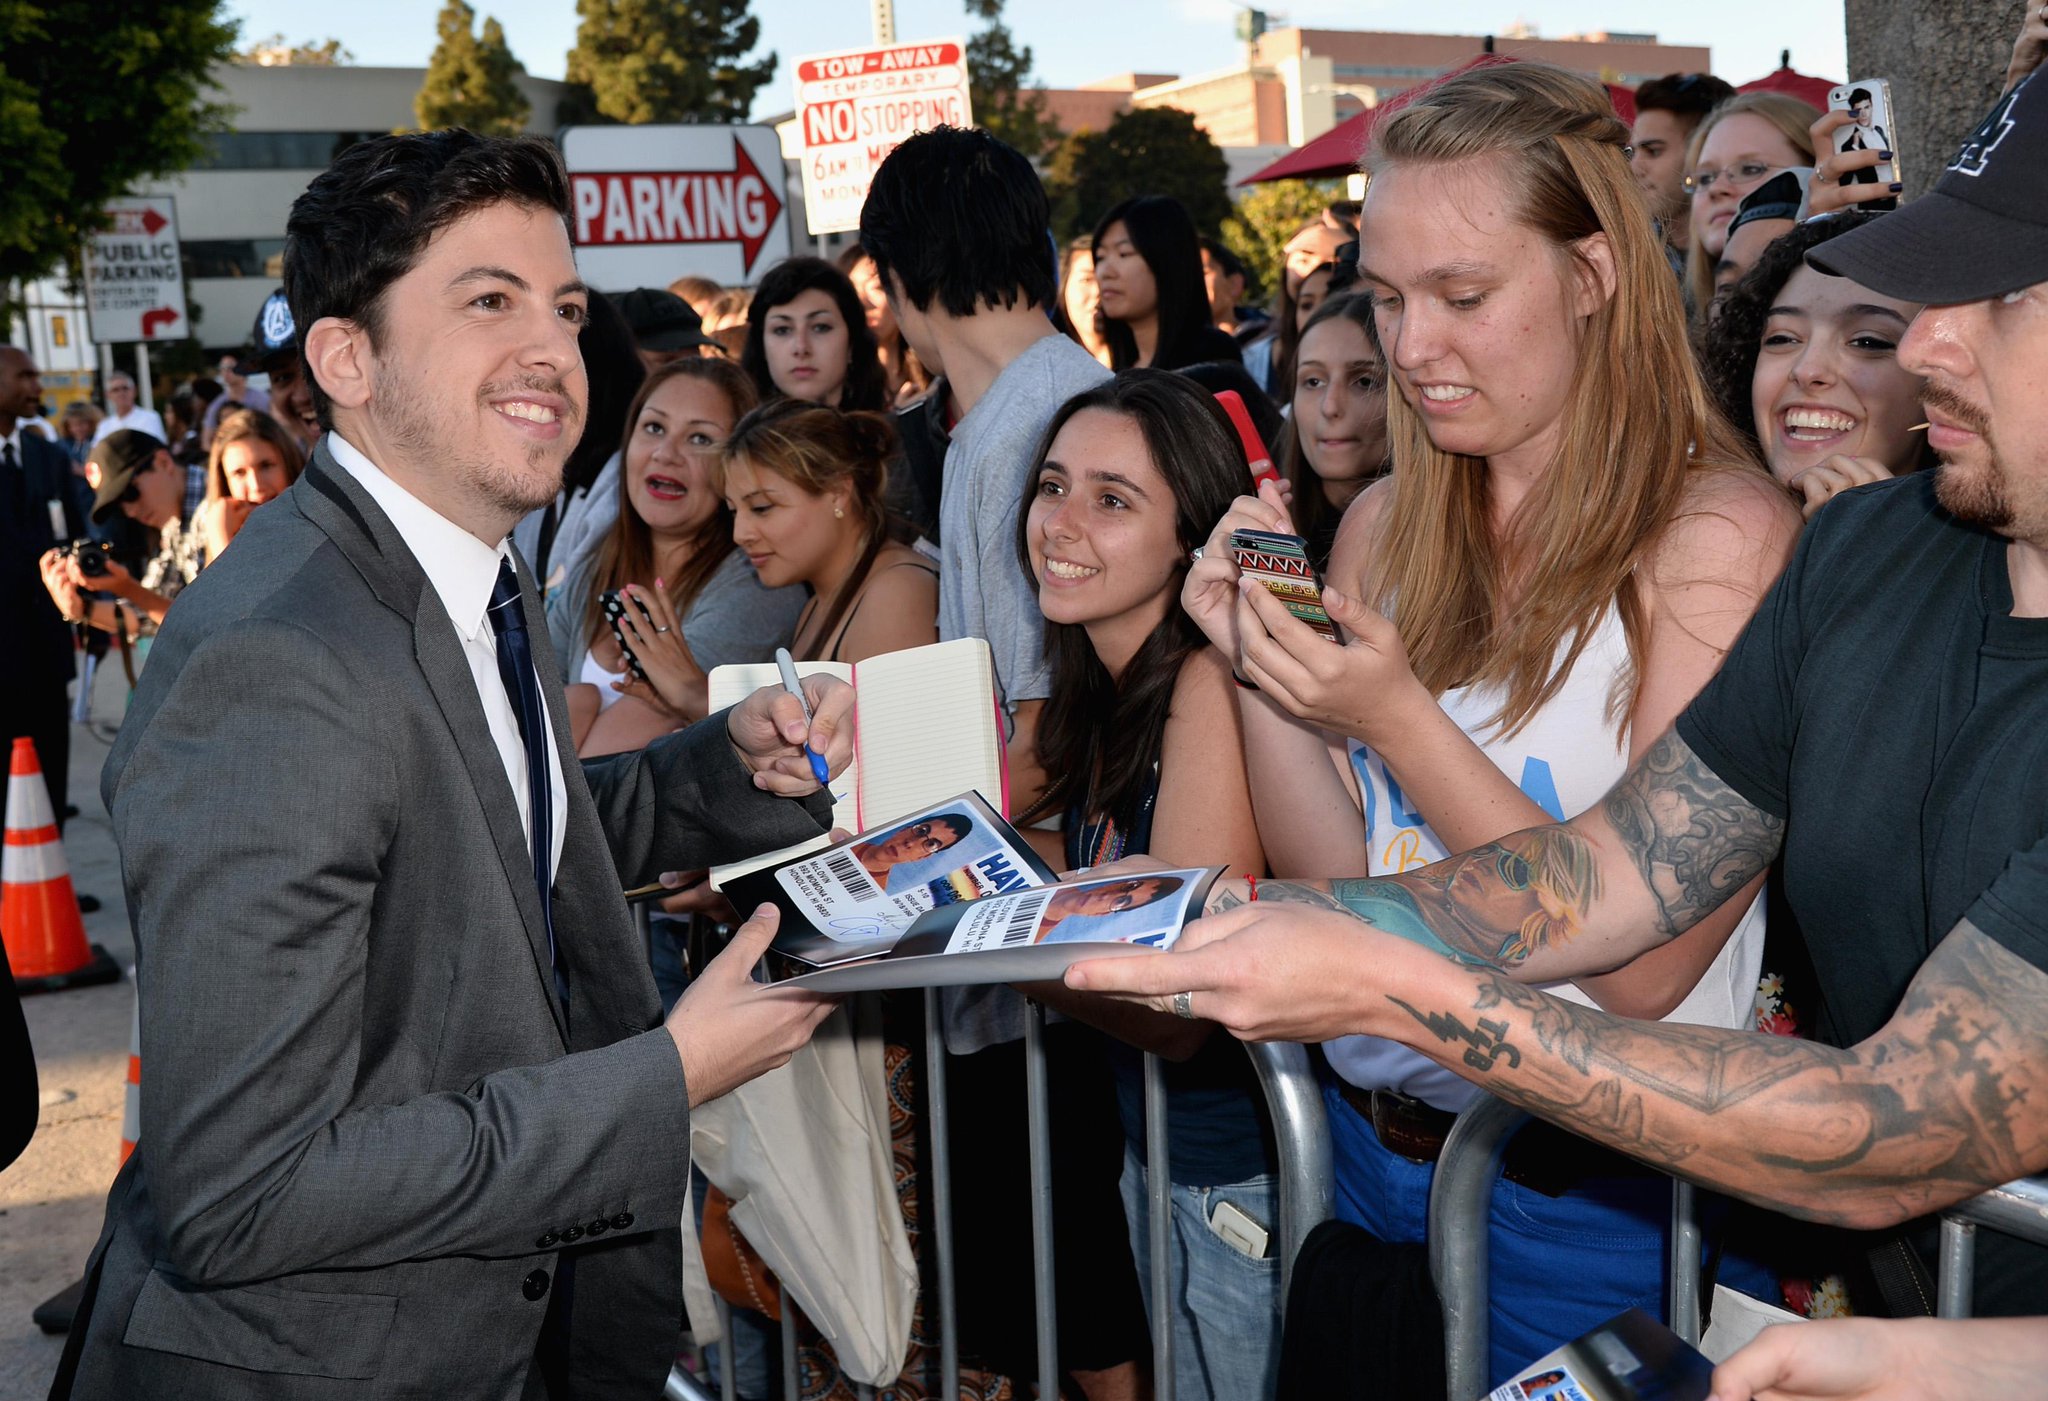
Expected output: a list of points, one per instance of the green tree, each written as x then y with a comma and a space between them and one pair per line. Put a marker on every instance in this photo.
469, 82
1267, 215
641, 61
998, 71
1145, 151
93, 98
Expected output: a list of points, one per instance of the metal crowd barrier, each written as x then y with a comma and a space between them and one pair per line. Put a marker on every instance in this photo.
2016, 1209
1306, 1191
1460, 1202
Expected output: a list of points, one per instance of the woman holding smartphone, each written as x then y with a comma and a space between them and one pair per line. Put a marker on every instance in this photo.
1568, 541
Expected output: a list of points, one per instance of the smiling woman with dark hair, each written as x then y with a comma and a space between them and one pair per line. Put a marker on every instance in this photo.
1148, 275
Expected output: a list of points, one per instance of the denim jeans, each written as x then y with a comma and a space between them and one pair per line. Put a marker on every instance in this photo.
1226, 1315
1558, 1266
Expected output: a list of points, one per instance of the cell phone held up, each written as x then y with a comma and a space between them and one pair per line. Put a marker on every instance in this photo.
1280, 563
1869, 102
614, 604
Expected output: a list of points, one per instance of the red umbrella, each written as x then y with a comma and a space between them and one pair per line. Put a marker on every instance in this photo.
1337, 151
1812, 91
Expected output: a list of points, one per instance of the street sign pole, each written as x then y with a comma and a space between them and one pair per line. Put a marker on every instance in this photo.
145, 394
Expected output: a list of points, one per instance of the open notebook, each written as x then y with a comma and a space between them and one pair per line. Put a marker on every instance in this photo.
926, 726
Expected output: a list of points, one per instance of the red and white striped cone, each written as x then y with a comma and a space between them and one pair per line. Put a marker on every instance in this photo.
39, 918
131, 1108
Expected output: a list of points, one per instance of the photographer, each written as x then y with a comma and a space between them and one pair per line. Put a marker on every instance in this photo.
135, 474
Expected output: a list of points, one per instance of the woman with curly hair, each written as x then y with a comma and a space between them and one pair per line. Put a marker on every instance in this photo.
1805, 366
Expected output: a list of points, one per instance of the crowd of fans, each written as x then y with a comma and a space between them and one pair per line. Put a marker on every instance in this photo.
1614, 393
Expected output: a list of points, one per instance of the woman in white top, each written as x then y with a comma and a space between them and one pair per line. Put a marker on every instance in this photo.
1569, 540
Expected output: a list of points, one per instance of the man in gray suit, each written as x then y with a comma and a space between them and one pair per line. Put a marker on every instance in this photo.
413, 1124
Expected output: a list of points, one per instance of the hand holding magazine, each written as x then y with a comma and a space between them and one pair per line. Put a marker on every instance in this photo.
951, 895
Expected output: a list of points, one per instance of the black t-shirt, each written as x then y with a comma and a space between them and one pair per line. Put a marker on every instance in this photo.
1885, 703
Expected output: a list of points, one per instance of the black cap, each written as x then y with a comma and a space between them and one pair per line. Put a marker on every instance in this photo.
1981, 232
121, 456
274, 334
1777, 198
660, 320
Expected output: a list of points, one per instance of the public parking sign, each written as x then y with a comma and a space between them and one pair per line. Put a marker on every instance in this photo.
655, 203
858, 105
134, 279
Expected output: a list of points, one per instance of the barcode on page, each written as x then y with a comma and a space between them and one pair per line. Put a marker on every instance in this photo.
848, 873
1021, 925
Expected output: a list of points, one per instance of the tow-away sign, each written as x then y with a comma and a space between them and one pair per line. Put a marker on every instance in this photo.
655, 203
858, 105
134, 280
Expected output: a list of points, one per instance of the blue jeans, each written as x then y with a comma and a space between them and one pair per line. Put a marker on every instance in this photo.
1226, 1316
1558, 1266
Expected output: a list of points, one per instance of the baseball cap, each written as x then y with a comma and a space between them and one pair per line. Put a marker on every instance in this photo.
121, 457
660, 320
274, 334
1981, 232
1777, 198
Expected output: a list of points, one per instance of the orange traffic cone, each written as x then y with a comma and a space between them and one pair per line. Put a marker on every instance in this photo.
39, 919
131, 1108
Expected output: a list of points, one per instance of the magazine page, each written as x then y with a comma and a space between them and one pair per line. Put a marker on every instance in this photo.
1029, 935
856, 899
1631, 1357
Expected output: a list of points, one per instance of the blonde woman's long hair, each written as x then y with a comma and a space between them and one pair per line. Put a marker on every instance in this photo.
1473, 608
1791, 117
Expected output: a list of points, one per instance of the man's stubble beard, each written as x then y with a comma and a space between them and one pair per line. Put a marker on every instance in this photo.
406, 420
1976, 491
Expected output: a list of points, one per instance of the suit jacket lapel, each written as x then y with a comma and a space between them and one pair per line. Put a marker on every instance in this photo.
333, 500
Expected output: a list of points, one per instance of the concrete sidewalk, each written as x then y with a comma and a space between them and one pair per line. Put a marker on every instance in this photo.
53, 1200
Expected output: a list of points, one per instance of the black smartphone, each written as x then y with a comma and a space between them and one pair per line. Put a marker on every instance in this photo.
614, 604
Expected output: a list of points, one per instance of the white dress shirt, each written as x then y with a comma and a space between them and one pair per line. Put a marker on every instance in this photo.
147, 420
463, 571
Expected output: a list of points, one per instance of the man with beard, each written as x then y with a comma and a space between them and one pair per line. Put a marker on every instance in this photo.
415, 1124
1883, 721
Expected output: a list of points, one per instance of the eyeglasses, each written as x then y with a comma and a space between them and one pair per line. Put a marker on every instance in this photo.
1748, 173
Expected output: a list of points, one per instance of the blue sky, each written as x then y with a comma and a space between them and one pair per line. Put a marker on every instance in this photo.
1074, 41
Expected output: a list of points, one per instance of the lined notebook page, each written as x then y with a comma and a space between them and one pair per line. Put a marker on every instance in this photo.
928, 729
731, 684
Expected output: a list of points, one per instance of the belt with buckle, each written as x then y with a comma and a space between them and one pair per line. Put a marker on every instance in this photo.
1541, 1157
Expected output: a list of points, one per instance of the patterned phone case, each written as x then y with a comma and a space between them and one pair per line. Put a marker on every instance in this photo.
1280, 562
614, 605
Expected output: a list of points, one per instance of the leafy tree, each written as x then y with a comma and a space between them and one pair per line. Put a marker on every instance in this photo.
641, 61
1145, 151
998, 69
275, 51
469, 82
93, 98
1267, 216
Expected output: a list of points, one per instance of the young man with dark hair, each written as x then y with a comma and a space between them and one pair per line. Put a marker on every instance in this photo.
1667, 111
416, 1125
1224, 278
958, 226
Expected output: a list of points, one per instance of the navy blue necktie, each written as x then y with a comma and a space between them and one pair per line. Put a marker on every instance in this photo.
515, 666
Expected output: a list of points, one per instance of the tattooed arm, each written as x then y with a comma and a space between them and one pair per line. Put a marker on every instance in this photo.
1667, 846
1949, 1098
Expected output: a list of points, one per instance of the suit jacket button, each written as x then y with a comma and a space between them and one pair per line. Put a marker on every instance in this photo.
534, 1285
572, 1234
622, 1221
598, 1227
546, 1242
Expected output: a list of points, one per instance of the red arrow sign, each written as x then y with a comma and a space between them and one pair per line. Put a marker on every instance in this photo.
153, 221
618, 208
159, 317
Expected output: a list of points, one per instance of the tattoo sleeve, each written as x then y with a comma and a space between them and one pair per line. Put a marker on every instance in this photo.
1694, 840
1948, 1099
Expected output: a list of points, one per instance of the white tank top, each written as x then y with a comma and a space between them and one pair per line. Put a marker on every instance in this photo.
602, 679
1564, 760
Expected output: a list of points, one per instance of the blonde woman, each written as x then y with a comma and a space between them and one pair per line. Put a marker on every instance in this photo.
1569, 539
1741, 143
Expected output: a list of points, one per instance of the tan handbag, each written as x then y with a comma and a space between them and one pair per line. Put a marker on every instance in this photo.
734, 1267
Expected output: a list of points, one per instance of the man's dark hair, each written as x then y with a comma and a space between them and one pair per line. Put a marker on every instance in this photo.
1232, 265
783, 284
364, 221
960, 218
1687, 96
1860, 95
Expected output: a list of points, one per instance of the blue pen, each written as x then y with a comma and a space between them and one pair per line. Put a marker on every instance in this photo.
790, 684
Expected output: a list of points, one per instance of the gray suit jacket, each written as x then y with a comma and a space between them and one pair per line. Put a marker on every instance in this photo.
368, 1127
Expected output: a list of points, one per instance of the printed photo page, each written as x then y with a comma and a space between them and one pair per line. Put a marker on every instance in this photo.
1631, 1357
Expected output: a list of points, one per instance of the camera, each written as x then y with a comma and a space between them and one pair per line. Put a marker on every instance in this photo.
91, 556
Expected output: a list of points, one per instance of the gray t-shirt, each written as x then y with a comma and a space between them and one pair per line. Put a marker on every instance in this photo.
984, 591
734, 618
